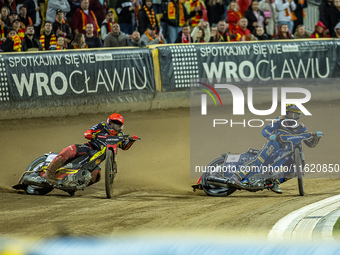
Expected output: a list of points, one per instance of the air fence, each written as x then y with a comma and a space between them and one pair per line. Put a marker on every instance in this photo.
59, 83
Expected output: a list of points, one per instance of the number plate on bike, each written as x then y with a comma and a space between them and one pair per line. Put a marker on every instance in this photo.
233, 158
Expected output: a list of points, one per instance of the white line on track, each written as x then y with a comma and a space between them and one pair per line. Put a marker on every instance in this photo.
311, 222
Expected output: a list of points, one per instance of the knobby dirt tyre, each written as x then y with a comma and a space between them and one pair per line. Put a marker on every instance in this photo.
32, 167
110, 173
299, 170
212, 190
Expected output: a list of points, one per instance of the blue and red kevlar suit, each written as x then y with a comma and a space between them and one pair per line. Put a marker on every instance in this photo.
276, 128
76, 150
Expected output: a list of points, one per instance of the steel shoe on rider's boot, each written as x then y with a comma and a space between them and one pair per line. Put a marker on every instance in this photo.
235, 181
276, 188
29, 179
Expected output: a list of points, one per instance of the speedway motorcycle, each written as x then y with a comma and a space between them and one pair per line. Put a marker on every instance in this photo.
75, 174
287, 162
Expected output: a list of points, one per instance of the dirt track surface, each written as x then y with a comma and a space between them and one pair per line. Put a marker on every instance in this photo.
153, 190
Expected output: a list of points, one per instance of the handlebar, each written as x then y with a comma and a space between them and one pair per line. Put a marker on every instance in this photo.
284, 137
116, 139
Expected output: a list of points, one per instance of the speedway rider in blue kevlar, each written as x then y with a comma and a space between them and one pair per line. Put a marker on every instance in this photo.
288, 124
113, 126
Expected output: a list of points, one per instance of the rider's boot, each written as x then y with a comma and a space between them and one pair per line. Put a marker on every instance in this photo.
276, 187
52, 168
58, 161
50, 178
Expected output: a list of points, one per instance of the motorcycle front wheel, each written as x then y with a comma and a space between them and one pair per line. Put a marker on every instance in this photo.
110, 173
299, 170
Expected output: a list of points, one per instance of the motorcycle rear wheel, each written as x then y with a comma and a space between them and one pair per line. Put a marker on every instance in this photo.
299, 170
212, 190
110, 173
34, 167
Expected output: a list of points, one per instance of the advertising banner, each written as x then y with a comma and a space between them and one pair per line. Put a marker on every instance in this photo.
62, 75
248, 63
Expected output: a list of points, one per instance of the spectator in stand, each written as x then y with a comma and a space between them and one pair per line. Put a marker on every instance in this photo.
30, 43
320, 31
106, 26
337, 30
11, 4
233, 15
137, 5
260, 34
12, 43
175, 16
157, 6
116, 38
43, 9
60, 43
215, 11
255, 16
91, 40
82, 16
135, 39
48, 38
301, 33
223, 32
244, 5
75, 5
324, 13
284, 33
18, 29
100, 8
60, 28
225, 5
201, 33
285, 9
150, 37
79, 42
335, 17
12, 17
5, 13
33, 11
214, 36
269, 10
184, 36
125, 11
147, 16
53, 6
198, 10
2, 31
242, 30
299, 13
25, 20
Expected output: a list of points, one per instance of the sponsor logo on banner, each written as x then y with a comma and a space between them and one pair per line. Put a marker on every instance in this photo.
103, 57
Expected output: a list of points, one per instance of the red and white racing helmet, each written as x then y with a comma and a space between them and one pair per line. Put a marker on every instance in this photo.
118, 123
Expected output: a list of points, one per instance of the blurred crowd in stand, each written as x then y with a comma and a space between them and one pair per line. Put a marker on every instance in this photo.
38, 25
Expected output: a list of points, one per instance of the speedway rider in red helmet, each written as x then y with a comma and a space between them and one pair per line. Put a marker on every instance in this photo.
112, 126
288, 124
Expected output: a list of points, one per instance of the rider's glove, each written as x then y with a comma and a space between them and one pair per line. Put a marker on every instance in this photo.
133, 138
94, 136
272, 138
319, 134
